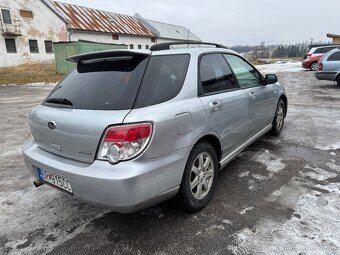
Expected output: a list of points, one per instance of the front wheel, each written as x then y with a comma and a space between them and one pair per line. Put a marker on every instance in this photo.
199, 178
279, 118
338, 80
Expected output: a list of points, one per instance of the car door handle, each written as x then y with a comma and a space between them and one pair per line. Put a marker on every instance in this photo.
252, 95
215, 106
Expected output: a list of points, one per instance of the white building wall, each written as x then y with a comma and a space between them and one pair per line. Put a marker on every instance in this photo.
107, 38
44, 25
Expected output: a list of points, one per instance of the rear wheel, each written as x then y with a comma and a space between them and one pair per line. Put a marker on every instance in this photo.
199, 178
338, 80
279, 118
314, 66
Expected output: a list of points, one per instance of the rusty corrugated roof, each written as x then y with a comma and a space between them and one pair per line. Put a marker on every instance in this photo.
89, 19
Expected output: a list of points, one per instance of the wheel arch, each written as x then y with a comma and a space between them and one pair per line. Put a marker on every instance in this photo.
285, 100
214, 141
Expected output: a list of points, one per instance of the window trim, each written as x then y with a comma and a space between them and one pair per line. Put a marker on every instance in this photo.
23, 13
10, 15
15, 44
49, 52
34, 52
200, 91
141, 83
328, 59
262, 78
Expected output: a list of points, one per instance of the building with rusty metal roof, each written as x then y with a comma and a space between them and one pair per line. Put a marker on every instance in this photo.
28, 29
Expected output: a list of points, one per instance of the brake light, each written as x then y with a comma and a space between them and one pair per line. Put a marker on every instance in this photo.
309, 55
320, 67
124, 142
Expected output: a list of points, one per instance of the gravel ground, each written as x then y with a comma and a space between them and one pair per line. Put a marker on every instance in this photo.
279, 196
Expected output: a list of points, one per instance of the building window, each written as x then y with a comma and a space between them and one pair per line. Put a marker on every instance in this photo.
131, 46
33, 46
153, 40
6, 16
10, 45
26, 14
115, 37
147, 47
48, 47
139, 46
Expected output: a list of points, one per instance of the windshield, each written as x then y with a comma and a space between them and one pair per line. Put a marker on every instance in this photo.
108, 84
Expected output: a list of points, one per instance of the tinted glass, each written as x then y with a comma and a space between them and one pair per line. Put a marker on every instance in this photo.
106, 85
6, 16
318, 51
163, 79
327, 49
215, 74
334, 57
246, 75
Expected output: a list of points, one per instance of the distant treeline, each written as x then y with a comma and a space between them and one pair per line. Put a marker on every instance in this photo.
274, 51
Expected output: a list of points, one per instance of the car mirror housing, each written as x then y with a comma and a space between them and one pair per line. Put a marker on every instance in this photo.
270, 79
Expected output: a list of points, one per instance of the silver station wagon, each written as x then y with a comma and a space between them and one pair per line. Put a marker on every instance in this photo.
128, 129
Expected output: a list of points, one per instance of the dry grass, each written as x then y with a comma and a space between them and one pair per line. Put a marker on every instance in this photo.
29, 74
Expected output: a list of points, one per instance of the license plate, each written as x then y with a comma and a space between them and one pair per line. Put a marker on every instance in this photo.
55, 180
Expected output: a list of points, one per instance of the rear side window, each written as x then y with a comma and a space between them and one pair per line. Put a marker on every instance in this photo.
334, 57
103, 85
163, 79
215, 74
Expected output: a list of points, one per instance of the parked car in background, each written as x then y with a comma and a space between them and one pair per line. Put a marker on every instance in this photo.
329, 67
314, 55
128, 129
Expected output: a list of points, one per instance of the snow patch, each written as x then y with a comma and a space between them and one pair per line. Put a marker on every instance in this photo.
280, 66
272, 163
315, 230
243, 174
246, 210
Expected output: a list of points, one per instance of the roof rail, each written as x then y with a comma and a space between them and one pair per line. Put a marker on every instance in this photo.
166, 46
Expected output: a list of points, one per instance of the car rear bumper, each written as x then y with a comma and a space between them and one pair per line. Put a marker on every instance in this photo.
125, 187
306, 64
329, 76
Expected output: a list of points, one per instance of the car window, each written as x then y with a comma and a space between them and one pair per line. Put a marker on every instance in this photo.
215, 74
334, 57
246, 75
105, 85
318, 51
327, 49
163, 79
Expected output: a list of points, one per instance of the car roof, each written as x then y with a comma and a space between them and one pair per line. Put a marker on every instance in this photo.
125, 52
192, 51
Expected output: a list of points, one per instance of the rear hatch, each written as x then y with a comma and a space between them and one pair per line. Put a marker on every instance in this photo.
100, 92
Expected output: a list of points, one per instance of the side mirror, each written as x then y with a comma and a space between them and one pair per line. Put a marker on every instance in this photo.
270, 79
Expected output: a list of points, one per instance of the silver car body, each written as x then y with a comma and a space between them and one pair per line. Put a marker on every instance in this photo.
331, 69
241, 117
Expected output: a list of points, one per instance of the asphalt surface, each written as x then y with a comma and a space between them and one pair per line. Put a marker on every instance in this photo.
279, 196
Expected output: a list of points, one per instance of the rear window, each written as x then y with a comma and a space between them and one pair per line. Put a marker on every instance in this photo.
103, 85
163, 79
334, 57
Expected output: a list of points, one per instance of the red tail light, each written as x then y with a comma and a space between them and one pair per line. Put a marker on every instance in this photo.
309, 55
124, 142
320, 67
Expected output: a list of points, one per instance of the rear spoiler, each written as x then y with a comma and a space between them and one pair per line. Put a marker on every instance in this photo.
92, 57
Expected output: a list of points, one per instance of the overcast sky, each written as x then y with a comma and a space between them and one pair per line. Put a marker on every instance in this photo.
237, 21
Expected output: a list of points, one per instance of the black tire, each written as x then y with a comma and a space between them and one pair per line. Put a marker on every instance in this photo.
314, 66
338, 80
279, 118
188, 198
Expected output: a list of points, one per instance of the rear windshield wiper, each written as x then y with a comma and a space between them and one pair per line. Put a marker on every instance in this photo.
64, 101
